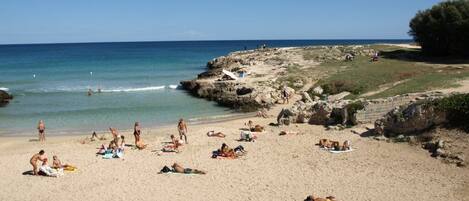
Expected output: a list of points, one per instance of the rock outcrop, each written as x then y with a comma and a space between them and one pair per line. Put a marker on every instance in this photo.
234, 94
246, 93
409, 120
4, 98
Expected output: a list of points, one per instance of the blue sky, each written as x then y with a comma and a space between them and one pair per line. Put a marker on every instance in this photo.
57, 21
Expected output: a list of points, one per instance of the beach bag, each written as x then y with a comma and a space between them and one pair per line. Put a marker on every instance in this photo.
246, 135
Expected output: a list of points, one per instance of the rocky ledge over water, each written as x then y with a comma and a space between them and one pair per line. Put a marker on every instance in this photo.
4, 98
252, 79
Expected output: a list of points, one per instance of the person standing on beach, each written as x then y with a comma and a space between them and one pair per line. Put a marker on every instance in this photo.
182, 128
41, 127
137, 132
35, 158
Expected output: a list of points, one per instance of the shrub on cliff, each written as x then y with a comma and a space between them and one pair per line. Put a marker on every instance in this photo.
457, 110
338, 86
444, 29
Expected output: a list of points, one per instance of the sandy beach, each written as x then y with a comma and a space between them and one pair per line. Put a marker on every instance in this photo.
275, 168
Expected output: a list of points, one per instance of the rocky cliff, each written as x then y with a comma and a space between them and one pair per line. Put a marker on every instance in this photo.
258, 89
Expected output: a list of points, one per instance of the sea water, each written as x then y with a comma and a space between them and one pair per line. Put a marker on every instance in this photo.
138, 82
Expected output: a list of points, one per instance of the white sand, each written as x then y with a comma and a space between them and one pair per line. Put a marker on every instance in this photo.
275, 168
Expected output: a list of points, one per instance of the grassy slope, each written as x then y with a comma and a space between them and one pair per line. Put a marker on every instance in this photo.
364, 76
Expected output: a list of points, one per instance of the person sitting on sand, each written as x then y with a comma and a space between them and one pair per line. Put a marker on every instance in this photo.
182, 128
41, 127
57, 164
217, 134
173, 146
346, 145
39, 156
176, 168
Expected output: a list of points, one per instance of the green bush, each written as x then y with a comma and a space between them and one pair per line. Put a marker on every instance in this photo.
457, 109
444, 29
338, 86
352, 109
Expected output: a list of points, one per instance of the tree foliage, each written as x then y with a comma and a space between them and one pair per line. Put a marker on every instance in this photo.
444, 29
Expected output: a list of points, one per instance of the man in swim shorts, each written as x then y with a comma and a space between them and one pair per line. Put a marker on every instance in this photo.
182, 128
35, 158
41, 127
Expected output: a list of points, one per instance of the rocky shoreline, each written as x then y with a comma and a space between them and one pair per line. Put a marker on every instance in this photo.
399, 118
265, 73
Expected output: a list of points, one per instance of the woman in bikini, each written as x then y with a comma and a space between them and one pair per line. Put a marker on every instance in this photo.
41, 127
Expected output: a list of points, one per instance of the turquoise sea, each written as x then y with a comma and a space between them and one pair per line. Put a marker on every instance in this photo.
138, 81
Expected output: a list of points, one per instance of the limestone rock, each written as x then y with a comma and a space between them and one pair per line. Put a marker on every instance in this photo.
412, 119
306, 98
320, 113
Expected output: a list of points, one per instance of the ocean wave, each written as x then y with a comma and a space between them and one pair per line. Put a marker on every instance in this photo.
174, 86
4, 89
84, 89
151, 88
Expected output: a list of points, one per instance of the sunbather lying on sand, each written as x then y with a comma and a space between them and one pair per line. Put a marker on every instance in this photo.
288, 133
176, 168
256, 128
217, 134
313, 198
227, 152
174, 145
334, 145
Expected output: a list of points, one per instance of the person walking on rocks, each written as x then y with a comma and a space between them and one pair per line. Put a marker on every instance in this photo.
285, 95
182, 128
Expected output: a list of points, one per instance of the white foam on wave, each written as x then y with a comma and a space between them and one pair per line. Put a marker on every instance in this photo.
152, 88
173, 86
4, 89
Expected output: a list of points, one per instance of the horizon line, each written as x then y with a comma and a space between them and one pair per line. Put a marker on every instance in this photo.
149, 41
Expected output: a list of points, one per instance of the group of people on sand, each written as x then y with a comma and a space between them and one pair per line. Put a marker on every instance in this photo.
335, 145
45, 169
226, 152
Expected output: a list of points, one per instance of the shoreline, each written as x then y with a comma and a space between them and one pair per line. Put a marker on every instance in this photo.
193, 121
278, 167
282, 167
